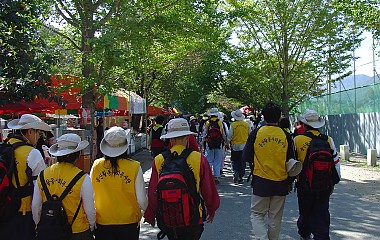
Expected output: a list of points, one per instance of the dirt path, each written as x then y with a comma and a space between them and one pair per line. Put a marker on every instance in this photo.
357, 174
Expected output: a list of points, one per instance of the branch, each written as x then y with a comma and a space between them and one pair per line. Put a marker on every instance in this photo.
64, 36
113, 9
71, 19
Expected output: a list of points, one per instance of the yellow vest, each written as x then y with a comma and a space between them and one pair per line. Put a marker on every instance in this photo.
57, 177
270, 151
240, 129
302, 143
194, 162
21, 154
115, 195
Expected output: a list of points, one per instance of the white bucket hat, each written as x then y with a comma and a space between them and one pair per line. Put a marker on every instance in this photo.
29, 121
311, 118
114, 142
205, 116
213, 112
293, 167
238, 115
66, 144
177, 127
192, 118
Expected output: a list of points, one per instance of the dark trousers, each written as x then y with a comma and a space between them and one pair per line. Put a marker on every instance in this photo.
86, 235
20, 227
314, 215
238, 164
117, 232
193, 233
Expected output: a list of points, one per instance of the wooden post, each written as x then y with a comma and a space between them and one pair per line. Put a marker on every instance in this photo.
371, 157
344, 152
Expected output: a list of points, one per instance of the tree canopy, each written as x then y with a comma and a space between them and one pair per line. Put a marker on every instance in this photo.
181, 52
24, 65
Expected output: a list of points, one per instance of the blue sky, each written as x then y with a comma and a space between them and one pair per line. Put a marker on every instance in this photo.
364, 65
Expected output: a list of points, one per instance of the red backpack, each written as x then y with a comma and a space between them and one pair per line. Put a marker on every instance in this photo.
319, 172
214, 135
178, 198
10, 196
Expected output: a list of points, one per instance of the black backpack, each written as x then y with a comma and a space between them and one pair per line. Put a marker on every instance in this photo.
53, 224
319, 173
214, 135
10, 196
177, 195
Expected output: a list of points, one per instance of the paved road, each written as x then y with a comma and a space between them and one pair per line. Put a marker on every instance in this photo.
353, 216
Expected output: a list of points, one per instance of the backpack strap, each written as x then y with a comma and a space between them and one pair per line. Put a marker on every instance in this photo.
15, 171
65, 192
311, 135
185, 153
71, 185
44, 187
67, 189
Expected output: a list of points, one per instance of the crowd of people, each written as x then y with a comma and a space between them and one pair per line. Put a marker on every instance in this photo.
111, 200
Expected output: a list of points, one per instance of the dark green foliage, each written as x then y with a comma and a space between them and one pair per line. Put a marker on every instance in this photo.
23, 64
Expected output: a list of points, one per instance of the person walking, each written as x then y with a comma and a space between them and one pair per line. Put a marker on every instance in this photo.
214, 136
237, 137
119, 189
29, 163
178, 133
79, 202
269, 147
156, 144
314, 215
193, 124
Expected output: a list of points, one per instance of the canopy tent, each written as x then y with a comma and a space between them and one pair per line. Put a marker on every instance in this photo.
23, 107
122, 103
71, 96
153, 110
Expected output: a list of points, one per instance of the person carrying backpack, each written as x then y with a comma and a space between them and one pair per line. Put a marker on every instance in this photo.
28, 164
66, 186
122, 186
321, 171
214, 136
181, 193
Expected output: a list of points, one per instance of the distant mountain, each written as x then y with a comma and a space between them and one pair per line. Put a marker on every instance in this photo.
348, 82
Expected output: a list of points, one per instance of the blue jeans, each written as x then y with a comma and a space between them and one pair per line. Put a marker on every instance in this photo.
214, 158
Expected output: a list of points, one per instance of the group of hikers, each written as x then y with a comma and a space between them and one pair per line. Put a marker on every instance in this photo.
182, 194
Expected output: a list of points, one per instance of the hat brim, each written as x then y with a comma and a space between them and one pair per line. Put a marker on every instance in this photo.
53, 150
112, 151
34, 125
236, 117
293, 167
317, 124
177, 134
